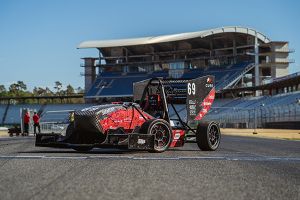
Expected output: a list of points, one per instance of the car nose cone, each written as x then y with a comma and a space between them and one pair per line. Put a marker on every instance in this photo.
87, 121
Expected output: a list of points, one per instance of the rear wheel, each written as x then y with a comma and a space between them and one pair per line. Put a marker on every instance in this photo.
162, 133
208, 136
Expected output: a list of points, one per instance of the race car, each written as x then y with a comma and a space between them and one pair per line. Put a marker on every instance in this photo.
151, 122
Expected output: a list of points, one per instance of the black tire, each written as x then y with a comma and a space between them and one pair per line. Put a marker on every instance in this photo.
70, 136
83, 148
208, 136
162, 131
69, 130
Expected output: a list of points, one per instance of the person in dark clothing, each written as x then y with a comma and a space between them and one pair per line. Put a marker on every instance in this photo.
26, 123
36, 123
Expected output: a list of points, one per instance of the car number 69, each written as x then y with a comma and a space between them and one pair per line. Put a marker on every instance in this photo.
191, 88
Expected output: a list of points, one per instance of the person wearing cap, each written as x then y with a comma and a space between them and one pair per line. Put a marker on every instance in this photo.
36, 123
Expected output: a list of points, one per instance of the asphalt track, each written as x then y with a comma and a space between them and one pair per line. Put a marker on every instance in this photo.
242, 168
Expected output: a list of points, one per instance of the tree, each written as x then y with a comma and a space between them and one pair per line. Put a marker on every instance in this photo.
48, 91
41, 91
17, 88
2, 89
22, 86
70, 90
14, 89
35, 91
79, 90
57, 87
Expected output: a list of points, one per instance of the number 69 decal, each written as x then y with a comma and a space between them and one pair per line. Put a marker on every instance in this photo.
191, 87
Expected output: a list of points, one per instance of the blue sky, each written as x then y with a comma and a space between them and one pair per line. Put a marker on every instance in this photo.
39, 37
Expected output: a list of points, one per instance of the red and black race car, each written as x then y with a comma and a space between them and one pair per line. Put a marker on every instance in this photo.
146, 123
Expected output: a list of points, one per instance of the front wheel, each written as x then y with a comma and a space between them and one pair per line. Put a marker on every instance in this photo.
208, 136
162, 133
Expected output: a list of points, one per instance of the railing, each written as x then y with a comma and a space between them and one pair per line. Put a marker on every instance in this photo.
284, 60
288, 50
53, 127
53, 122
230, 82
266, 79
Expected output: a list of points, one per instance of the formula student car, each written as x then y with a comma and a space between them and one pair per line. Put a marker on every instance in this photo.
152, 122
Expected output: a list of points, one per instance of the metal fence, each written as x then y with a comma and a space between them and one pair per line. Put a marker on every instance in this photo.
53, 122
53, 127
259, 117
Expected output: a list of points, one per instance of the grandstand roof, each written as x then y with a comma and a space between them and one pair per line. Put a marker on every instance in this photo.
172, 38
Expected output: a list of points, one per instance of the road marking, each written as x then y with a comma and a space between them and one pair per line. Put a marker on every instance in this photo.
102, 157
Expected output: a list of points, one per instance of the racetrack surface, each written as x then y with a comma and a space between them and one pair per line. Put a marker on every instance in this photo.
242, 168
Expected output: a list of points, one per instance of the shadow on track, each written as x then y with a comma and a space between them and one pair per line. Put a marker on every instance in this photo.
106, 151
94, 151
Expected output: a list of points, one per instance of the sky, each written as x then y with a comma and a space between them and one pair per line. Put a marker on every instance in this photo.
39, 38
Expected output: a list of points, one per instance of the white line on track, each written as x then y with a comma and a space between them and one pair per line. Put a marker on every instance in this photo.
229, 158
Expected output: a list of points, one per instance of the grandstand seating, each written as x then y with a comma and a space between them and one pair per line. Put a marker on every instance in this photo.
254, 102
117, 84
263, 109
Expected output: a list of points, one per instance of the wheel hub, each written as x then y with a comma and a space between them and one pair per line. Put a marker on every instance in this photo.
161, 136
213, 135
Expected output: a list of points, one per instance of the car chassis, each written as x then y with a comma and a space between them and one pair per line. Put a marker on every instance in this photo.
145, 124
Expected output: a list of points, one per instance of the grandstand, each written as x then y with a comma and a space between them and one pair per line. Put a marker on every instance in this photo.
236, 56
251, 72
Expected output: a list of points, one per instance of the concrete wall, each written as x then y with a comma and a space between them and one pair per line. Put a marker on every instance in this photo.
89, 73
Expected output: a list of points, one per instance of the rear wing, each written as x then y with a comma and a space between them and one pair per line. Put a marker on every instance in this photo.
200, 97
198, 94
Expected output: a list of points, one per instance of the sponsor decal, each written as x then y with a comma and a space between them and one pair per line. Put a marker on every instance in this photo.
192, 101
192, 107
209, 80
206, 104
192, 112
141, 141
176, 136
128, 119
209, 85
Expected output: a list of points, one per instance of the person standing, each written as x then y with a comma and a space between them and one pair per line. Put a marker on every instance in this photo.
36, 123
26, 123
